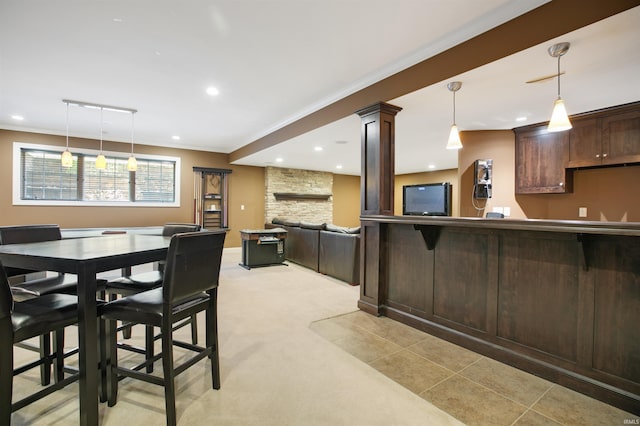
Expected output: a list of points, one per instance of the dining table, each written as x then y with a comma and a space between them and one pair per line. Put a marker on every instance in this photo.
86, 257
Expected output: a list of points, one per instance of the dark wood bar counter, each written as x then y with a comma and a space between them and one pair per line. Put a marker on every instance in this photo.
559, 299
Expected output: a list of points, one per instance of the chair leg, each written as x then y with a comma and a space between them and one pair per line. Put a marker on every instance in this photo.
6, 366
45, 354
58, 344
212, 337
169, 374
126, 332
194, 329
148, 346
112, 365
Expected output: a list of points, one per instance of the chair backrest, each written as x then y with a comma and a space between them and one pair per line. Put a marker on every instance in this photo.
193, 264
6, 299
170, 229
27, 234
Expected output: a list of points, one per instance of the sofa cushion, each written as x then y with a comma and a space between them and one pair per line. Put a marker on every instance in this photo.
311, 225
342, 229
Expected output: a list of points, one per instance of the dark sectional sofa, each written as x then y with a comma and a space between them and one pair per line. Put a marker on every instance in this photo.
326, 248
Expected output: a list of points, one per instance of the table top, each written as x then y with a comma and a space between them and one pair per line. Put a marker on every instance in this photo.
107, 252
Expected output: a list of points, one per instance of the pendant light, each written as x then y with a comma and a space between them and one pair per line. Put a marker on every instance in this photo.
559, 118
454, 135
132, 164
67, 158
101, 161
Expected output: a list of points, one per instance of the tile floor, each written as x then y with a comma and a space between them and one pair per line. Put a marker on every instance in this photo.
474, 389
294, 350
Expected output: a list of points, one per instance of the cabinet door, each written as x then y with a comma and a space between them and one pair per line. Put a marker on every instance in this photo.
541, 158
585, 144
621, 138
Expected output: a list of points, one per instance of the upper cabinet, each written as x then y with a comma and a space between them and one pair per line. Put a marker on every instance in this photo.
541, 159
544, 161
621, 137
609, 137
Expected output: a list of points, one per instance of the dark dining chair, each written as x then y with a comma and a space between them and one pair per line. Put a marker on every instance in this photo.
136, 283
189, 286
19, 321
20, 234
29, 288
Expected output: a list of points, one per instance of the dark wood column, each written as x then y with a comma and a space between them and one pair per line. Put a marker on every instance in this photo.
376, 198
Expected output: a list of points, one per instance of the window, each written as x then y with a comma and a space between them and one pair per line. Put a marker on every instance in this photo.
39, 178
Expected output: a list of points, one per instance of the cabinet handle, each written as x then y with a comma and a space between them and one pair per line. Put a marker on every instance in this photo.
604, 155
561, 183
597, 155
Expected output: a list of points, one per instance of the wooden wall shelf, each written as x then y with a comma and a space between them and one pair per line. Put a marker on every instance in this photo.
298, 196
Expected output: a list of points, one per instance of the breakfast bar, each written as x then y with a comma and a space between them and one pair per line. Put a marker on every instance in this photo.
560, 299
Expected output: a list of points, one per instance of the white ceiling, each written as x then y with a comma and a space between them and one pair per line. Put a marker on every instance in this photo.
276, 61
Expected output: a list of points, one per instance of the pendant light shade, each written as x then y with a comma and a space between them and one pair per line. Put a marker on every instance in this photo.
101, 161
454, 141
132, 163
559, 118
454, 135
67, 158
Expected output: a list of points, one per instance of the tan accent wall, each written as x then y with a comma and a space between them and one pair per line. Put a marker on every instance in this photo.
437, 176
609, 194
499, 146
245, 188
346, 200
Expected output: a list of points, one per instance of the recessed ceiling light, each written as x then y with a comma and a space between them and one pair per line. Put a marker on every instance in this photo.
317, 148
339, 166
17, 117
521, 119
175, 137
212, 91
279, 160
431, 166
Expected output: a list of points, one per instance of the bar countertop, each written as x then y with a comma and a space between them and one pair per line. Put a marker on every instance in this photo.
572, 226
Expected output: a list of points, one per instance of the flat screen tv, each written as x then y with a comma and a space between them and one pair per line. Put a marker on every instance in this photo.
429, 199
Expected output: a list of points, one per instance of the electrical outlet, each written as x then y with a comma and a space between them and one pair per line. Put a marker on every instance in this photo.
582, 212
498, 210
241, 206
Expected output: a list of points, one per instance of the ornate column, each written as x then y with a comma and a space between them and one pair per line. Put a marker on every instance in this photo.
376, 198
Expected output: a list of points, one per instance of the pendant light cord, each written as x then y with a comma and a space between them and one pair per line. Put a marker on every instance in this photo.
559, 56
454, 107
101, 109
132, 133
67, 125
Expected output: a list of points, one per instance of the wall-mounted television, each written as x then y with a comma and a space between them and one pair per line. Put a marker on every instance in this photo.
429, 199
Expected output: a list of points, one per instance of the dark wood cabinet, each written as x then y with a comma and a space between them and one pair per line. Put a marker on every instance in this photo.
585, 143
621, 137
606, 138
541, 161
544, 161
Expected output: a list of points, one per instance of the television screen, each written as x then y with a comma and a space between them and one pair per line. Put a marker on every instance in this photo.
431, 199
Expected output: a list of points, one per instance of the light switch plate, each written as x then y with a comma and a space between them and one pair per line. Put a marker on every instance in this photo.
582, 212
507, 211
